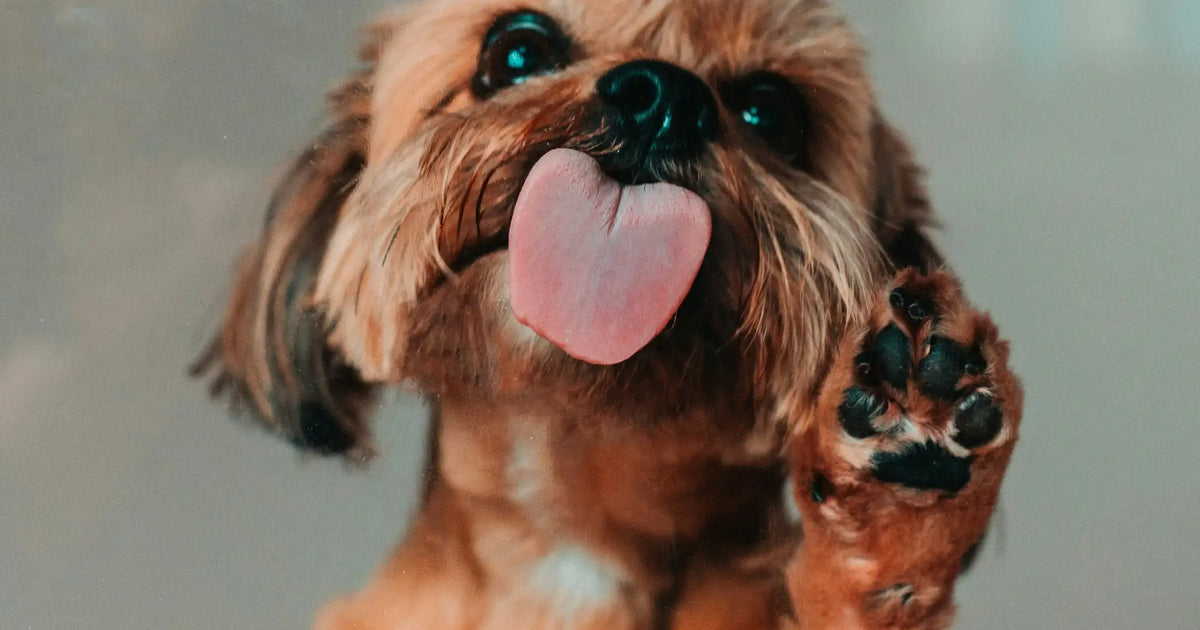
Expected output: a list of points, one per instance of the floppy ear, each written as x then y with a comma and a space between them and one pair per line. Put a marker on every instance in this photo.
271, 353
903, 216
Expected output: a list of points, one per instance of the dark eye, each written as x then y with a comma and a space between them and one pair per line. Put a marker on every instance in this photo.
518, 46
775, 109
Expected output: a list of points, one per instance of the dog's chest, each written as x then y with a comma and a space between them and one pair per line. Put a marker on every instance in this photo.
573, 582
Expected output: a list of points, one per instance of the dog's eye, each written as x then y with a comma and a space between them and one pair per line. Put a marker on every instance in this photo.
775, 109
518, 46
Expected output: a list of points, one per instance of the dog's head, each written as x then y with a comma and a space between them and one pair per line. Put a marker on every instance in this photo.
391, 251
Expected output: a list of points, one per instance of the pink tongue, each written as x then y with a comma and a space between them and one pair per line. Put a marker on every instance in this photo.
596, 268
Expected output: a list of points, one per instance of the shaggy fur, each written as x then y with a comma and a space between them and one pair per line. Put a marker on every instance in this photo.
563, 494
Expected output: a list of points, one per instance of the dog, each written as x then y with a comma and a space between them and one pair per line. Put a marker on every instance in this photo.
626, 250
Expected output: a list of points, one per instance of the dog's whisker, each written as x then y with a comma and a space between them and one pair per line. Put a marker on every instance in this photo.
479, 201
392, 241
362, 278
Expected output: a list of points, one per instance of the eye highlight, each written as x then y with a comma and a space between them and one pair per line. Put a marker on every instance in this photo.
772, 107
518, 46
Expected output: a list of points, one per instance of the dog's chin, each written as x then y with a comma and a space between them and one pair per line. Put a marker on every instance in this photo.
679, 320
467, 340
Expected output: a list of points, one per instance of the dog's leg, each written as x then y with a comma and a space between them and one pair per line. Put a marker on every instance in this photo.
898, 466
718, 596
429, 582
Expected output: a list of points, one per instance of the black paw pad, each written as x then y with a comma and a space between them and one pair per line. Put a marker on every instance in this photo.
977, 421
859, 407
888, 357
915, 308
925, 466
945, 365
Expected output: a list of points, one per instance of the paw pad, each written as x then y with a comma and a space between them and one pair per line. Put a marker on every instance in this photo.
888, 357
977, 421
921, 395
925, 466
859, 407
945, 365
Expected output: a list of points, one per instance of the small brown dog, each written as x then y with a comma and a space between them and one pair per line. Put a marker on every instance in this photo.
618, 245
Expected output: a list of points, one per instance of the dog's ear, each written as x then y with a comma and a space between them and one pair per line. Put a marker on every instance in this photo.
903, 215
272, 354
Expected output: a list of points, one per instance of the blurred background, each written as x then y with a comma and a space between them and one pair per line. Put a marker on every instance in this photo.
140, 140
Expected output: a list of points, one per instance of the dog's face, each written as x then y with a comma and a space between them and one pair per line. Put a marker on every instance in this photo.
387, 252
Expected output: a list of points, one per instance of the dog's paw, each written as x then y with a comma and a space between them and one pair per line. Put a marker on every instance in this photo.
898, 465
928, 392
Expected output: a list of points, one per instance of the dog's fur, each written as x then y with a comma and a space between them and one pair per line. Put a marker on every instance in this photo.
563, 494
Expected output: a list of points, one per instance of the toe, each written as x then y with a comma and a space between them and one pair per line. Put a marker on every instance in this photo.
944, 366
859, 407
888, 357
914, 307
977, 420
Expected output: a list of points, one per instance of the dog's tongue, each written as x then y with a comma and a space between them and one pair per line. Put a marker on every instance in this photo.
598, 268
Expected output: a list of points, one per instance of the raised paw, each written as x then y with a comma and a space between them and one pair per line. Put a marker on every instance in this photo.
926, 394
898, 464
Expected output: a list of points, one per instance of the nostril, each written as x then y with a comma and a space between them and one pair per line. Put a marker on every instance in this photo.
634, 92
659, 108
640, 93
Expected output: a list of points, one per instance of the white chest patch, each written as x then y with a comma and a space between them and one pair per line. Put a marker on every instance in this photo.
527, 467
574, 582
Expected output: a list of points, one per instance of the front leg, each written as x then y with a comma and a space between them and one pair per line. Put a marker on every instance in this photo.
898, 465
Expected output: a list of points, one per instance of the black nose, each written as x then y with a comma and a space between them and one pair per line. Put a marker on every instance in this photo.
663, 110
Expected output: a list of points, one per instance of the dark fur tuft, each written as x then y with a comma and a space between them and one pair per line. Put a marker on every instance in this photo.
903, 214
272, 355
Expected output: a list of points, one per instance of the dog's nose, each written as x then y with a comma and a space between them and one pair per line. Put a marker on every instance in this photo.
663, 109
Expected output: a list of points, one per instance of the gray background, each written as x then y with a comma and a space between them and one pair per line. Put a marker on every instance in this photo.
137, 144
